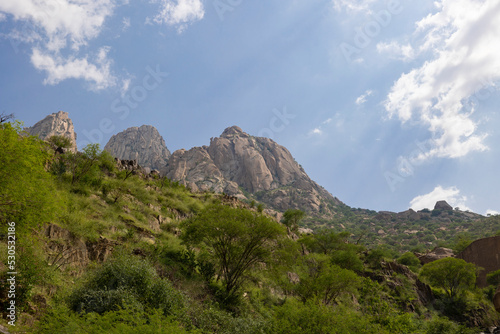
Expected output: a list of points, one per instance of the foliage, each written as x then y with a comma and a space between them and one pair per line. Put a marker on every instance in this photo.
292, 218
125, 281
26, 190
411, 260
324, 281
61, 320
493, 278
238, 239
452, 275
59, 141
325, 241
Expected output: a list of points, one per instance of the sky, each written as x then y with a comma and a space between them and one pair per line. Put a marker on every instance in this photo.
387, 104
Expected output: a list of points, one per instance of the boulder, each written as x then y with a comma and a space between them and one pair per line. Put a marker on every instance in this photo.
483, 253
442, 206
436, 254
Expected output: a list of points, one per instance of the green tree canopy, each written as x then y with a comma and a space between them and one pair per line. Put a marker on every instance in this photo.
237, 238
292, 218
450, 274
26, 188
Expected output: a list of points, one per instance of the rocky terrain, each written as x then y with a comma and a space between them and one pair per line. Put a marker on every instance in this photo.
56, 124
143, 144
250, 167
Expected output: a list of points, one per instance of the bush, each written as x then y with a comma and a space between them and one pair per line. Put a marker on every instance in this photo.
411, 260
125, 281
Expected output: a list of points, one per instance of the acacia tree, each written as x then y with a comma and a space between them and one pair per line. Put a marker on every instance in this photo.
237, 239
452, 275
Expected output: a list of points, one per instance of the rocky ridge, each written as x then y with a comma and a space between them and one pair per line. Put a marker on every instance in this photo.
56, 124
143, 144
249, 167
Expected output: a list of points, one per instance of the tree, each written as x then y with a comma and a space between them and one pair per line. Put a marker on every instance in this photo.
238, 239
26, 189
452, 275
292, 218
322, 279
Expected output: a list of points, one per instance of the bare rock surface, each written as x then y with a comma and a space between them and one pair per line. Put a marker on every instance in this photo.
143, 144
56, 124
245, 166
484, 253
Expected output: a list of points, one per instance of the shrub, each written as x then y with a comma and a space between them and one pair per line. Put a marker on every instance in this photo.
125, 281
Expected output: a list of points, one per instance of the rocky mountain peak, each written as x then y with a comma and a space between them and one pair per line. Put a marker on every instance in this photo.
250, 168
233, 131
143, 144
56, 124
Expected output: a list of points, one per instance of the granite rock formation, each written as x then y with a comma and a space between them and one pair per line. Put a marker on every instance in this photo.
56, 124
143, 144
250, 167
484, 253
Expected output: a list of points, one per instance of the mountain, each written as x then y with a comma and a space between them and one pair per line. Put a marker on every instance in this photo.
56, 124
144, 144
250, 167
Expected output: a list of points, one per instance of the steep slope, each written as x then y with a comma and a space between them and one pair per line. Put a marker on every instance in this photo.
250, 168
144, 144
56, 124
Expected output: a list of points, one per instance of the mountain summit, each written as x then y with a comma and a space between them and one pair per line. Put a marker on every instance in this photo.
56, 124
250, 167
144, 144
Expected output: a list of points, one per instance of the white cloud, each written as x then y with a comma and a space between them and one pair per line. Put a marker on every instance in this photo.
179, 13
362, 98
492, 213
3, 17
54, 28
464, 38
317, 131
451, 195
352, 5
60, 68
396, 50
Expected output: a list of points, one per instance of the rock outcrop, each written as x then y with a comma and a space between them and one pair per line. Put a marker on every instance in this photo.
250, 167
436, 254
484, 253
56, 124
143, 144
443, 205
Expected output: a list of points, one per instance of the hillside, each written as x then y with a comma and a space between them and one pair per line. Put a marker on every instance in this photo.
106, 247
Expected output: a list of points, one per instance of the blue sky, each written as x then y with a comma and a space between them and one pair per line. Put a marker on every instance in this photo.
387, 104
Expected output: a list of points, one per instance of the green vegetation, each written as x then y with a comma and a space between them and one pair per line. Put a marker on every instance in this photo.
454, 276
103, 250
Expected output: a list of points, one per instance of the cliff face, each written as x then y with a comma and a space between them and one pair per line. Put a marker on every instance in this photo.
56, 124
250, 167
143, 144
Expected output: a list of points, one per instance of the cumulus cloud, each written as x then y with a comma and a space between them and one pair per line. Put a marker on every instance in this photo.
60, 68
492, 213
362, 98
451, 195
54, 28
179, 13
316, 131
464, 40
